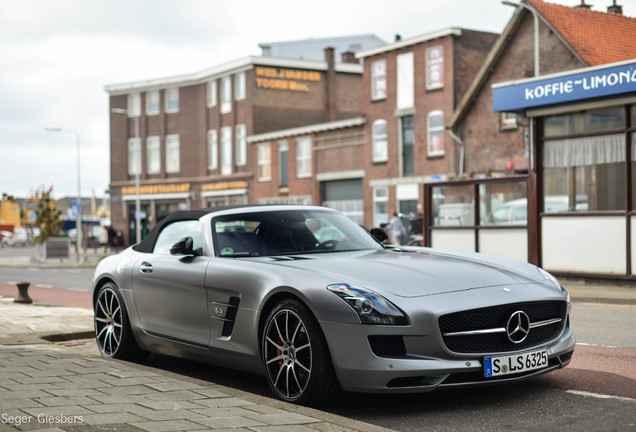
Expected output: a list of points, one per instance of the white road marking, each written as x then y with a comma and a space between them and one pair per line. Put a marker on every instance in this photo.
599, 396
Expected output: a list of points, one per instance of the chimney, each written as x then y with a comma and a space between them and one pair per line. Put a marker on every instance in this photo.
330, 85
583, 5
398, 37
349, 57
617, 9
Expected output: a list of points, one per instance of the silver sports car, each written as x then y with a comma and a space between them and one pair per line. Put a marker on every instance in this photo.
316, 304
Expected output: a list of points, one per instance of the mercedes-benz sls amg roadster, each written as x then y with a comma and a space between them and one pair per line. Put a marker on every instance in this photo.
319, 305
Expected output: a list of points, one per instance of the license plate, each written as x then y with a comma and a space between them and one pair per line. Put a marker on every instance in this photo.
514, 364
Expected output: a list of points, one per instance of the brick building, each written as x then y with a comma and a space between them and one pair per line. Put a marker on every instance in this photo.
184, 138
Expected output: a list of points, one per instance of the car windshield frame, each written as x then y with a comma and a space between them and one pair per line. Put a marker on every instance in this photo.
287, 232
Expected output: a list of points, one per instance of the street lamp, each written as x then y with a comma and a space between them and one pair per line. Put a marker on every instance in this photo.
79, 189
137, 197
536, 30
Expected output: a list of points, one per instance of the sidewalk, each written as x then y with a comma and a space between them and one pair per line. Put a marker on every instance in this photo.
63, 387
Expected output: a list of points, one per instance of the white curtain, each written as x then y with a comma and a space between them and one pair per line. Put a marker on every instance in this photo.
597, 150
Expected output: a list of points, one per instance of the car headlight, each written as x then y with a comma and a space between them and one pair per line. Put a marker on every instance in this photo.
372, 308
555, 282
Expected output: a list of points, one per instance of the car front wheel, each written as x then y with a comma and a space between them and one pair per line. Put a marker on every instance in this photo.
112, 328
296, 356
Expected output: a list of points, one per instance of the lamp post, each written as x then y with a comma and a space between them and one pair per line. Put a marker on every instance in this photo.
137, 197
79, 189
524, 5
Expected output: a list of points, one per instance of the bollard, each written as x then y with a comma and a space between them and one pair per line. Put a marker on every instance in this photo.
23, 293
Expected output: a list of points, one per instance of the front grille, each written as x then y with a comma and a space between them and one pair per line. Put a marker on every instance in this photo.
387, 346
497, 317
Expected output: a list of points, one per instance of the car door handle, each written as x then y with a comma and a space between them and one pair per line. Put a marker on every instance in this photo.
146, 267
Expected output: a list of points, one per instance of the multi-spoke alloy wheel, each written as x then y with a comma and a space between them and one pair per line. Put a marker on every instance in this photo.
295, 355
108, 322
112, 329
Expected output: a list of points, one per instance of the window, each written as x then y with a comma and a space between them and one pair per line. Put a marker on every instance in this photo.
211, 94
172, 100
239, 86
226, 95
173, 154
378, 79
408, 144
585, 173
152, 102
380, 142
174, 232
213, 149
226, 150
380, 206
264, 162
283, 164
435, 133
405, 81
134, 156
508, 120
134, 105
153, 155
241, 145
435, 67
303, 157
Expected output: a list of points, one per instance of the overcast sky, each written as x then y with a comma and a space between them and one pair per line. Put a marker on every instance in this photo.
57, 56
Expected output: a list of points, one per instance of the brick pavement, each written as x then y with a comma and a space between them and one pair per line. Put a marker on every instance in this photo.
63, 388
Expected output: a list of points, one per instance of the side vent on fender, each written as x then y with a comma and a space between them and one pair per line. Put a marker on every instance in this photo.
231, 309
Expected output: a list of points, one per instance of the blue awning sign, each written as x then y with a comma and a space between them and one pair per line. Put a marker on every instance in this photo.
567, 87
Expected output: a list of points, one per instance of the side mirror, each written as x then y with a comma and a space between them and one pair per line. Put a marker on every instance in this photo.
379, 234
183, 247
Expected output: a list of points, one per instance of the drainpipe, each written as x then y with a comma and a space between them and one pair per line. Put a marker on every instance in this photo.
462, 150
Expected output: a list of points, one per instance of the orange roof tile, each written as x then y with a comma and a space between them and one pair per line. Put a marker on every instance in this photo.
597, 37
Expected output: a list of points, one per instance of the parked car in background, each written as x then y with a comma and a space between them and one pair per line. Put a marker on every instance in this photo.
516, 211
260, 289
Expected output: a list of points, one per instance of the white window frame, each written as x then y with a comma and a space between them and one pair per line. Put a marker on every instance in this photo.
153, 155
303, 157
172, 99
239, 86
134, 156
378, 75
226, 150
380, 141
133, 105
264, 162
379, 198
432, 64
213, 149
173, 154
437, 130
509, 120
211, 94
283, 147
405, 81
226, 95
241, 144
153, 102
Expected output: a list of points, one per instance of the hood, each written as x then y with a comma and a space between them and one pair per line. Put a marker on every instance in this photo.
407, 274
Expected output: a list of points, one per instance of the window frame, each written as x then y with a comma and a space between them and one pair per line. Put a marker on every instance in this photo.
226, 95
264, 165
211, 94
133, 105
378, 76
153, 148
150, 103
173, 147
134, 165
227, 158
303, 157
405, 81
240, 131
432, 64
437, 130
213, 149
239, 86
376, 139
283, 166
172, 97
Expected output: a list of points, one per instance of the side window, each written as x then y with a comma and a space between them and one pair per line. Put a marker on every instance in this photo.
175, 232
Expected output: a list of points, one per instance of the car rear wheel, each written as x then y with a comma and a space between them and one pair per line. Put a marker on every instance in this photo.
296, 356
112, 328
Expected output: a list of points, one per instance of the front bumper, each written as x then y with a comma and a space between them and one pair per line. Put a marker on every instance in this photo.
426, 365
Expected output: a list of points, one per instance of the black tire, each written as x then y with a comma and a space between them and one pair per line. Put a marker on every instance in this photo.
296, 357
112, 328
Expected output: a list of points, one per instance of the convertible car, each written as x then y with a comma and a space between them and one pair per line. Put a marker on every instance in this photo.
318, 305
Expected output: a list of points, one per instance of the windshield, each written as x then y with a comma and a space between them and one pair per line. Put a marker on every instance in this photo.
287, 232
